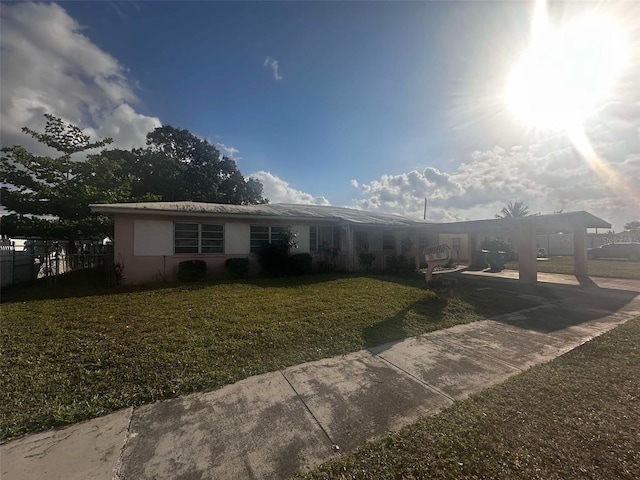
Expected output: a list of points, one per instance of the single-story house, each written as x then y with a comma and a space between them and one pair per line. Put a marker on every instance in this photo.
152, 238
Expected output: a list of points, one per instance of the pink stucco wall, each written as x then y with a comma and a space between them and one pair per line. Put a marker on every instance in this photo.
155, 268
144, 269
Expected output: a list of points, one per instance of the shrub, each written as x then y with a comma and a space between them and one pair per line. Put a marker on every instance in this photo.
299, 264
366, 260
237, 267
117, 273
192, 270
329, 256
440, 282
398, 264
273, 259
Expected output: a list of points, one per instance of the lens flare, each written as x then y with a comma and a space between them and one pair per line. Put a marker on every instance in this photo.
568, 73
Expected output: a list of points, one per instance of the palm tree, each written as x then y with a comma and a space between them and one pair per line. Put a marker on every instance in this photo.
515, 209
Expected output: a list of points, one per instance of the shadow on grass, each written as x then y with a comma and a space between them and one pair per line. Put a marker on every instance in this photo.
394, 329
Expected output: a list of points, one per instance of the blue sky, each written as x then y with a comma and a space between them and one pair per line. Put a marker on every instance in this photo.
364, 104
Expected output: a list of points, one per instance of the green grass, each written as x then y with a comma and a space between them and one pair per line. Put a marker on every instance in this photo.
596, 268
84, 352
575, 417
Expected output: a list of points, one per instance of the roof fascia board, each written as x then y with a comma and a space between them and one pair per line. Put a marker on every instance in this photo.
174, 213
339, 220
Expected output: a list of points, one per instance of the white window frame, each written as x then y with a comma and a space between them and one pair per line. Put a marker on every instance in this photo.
200, 240
253, 247
321, 237
388, 232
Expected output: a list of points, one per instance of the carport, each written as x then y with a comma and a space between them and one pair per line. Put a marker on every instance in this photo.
523, 233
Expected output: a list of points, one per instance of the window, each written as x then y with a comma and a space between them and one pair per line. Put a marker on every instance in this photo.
198, 238
262, 234
360, 241
313, 239
211, 239
456, 243
319, 236
388, 239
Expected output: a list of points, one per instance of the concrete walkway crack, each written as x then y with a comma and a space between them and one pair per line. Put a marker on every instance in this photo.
324, 431
117, 469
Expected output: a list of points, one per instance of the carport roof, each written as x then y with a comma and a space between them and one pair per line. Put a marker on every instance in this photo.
554, 223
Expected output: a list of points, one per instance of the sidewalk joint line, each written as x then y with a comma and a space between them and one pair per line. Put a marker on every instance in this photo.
428, 385
331, 442
482, 354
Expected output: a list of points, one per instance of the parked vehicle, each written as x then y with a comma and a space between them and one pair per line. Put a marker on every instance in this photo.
630, 251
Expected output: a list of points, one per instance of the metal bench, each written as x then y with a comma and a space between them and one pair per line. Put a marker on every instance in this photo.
434, 256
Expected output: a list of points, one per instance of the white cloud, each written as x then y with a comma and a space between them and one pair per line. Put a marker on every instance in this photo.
273, 64
228, 150
279, 191
478, 188
50, 66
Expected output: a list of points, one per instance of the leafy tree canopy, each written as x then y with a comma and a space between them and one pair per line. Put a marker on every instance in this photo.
633, 227
515, 209
176, 165
51, 196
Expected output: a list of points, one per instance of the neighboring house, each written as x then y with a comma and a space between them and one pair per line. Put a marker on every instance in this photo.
151, 239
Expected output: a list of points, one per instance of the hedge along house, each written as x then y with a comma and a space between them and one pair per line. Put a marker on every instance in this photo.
151, 239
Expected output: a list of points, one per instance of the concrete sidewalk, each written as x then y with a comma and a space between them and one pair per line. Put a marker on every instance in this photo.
281, 423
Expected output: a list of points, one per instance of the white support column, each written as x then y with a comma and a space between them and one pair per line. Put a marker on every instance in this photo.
415, 250
527, 254
580, 252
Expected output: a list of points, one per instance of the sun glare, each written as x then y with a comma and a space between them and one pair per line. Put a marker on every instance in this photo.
567, 72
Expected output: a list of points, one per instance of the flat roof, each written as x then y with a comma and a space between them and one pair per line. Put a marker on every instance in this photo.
558, 222
279, 210
552, 223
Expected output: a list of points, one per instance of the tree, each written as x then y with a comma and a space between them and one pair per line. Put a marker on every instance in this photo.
176, 165
51, 196
512, 210
633, 227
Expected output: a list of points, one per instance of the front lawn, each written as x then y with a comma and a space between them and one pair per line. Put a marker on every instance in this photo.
577, 417
83, 353
596, 268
